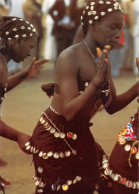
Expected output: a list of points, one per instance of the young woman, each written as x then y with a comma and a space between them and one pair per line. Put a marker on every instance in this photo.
66, 156
17, 38
124, 169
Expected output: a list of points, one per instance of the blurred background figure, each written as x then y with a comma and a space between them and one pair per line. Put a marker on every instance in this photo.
4, 7
15, 10
136, 33
50, 46
122, 57
66, 15
128, 30
33, 14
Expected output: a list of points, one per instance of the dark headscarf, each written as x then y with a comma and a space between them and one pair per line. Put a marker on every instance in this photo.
95, 10
14, 27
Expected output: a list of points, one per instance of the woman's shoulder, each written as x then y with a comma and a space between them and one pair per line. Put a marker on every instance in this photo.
68, 57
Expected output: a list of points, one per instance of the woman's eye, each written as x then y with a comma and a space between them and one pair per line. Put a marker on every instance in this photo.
113, 27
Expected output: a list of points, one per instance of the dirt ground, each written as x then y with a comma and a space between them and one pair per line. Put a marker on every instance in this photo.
22, 110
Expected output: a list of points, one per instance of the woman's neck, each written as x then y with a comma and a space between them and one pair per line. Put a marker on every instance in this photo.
92, 46
6, 57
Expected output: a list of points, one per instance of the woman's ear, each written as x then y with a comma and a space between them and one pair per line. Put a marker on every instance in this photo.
14, 43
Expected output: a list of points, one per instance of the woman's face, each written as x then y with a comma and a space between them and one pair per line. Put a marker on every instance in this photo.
108, 30
23, 49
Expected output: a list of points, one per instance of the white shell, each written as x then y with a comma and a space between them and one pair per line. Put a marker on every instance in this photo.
92, 3
62, 135
27, 143
34, 30
92, 8
90, 21
24, 35
96, 17
127, 147
40, 191
14, 29
94, 12
40, 169
49, 154
89, 13
45, 156
87, 7
22, 27
101, 2
16, 36
74, 136
32, 25
137, 155
56, 134
40, 154
108, 2
13, 19
74, 181
56, 155
6, 33
102, 13
67, 153
69, 182
86, 84
61, 155
110, 9
52, 130
78, 178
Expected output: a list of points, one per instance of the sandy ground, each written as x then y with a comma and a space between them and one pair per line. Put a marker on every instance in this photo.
22, 110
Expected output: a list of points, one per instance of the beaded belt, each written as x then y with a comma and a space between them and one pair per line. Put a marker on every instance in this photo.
117, 177
64, 185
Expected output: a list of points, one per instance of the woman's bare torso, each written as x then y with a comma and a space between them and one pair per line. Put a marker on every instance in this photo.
84, 67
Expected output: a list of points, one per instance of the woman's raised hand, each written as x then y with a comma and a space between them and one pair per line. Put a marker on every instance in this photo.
103, 68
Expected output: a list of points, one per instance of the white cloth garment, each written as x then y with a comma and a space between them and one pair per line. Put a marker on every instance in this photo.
15, 10
136, 34
50, 50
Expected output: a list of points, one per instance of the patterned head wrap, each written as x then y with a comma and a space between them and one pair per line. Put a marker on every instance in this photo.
95, 10
15, 28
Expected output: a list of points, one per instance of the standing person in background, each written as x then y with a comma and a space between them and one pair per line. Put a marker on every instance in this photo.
5, 7
128, 43
33, 14
16, 9
18, 37
66, 156
136, 34
66, 16
50, 44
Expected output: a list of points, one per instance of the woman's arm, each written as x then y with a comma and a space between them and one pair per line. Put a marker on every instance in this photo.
121, 101
30, 71
74, 104
14, 135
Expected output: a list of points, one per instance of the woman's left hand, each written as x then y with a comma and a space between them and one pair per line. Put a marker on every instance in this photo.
23, 141
36, 66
